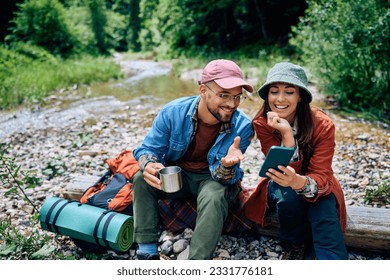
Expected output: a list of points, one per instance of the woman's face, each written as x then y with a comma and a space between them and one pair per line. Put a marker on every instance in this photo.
283, 99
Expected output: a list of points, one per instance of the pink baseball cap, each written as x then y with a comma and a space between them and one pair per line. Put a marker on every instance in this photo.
225, 73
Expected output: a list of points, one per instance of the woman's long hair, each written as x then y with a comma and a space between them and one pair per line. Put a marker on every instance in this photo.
305, 121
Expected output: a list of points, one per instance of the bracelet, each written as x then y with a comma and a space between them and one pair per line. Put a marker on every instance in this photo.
150, 160
310, 189
144, 160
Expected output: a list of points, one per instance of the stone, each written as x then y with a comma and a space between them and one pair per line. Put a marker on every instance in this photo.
180, 245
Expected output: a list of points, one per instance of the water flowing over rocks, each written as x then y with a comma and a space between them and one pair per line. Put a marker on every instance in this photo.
58, 145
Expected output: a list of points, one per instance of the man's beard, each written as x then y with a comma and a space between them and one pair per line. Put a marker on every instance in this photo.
219, 117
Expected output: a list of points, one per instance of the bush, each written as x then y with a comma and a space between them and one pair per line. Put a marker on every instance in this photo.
43, 23
346, 44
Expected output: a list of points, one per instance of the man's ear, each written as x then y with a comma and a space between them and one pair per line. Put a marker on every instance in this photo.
202, 90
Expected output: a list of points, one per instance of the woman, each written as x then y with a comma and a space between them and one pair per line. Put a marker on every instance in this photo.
306, 195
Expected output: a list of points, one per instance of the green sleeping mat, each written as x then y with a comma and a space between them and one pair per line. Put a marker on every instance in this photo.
87, 223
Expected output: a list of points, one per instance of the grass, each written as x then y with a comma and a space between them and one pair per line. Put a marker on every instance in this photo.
378, 195
21, 246
26, 79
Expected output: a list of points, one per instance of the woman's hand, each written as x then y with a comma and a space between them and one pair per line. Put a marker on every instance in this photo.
287, 177
151, 172
283, 126
273, 120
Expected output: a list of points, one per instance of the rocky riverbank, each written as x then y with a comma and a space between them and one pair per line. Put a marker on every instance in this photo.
58, 145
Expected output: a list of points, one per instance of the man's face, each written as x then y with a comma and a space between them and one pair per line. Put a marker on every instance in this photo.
221, 103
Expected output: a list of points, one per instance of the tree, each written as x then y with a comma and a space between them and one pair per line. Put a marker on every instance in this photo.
347, 46
8, 8
195, 25
147, 32
99, 22
130, 9
43, 23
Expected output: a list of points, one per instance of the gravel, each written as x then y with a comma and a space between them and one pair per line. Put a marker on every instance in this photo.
58, 144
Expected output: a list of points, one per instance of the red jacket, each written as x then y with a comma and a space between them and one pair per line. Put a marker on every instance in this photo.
319, 168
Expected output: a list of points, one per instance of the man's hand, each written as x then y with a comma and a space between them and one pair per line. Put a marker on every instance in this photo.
234, 154
151, 172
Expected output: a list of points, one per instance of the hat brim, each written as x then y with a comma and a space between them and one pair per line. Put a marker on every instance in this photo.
263, 90
232, 82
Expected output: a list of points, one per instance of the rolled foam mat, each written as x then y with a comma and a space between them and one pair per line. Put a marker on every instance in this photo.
88, 223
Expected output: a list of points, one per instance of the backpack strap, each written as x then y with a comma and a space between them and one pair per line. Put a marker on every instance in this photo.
53, 227
104, 180
105, 227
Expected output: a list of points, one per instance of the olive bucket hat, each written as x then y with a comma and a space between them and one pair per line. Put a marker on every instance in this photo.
289, 73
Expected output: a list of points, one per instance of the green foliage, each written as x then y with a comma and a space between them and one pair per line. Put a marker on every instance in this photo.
347, 46
116, 31
98, 22
55, 167
170, 23
28, 73
82, 26
43, 23
379, 195
174, 27
130, 11
99, 30
79, 21
134, 25
84, 139
149, 30
14, 179
16, 245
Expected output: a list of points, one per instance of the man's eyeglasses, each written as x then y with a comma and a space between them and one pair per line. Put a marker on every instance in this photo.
228, 97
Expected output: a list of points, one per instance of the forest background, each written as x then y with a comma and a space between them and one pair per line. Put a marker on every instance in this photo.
50, 44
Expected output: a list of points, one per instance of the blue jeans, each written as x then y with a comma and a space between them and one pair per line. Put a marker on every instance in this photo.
302, 221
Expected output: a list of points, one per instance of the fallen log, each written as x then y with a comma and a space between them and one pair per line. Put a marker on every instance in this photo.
75, 189
368, 228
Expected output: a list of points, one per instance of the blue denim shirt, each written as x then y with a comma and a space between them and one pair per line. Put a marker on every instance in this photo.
172, 132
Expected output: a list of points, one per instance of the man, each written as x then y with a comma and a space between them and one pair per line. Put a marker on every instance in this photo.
206, 136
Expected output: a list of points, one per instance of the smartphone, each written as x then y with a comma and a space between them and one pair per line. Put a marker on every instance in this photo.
277, 155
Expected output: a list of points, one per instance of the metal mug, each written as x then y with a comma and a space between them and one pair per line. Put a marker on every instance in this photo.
170, 177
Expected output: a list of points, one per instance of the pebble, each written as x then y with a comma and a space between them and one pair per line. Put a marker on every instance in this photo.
81, 146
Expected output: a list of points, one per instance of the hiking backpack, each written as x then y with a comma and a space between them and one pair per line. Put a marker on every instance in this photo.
113, 190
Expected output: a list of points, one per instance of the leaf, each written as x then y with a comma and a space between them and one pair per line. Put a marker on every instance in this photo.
7, 249
45, 251
16, 171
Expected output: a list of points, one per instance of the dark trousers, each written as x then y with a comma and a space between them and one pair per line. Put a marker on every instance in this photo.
301, 221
